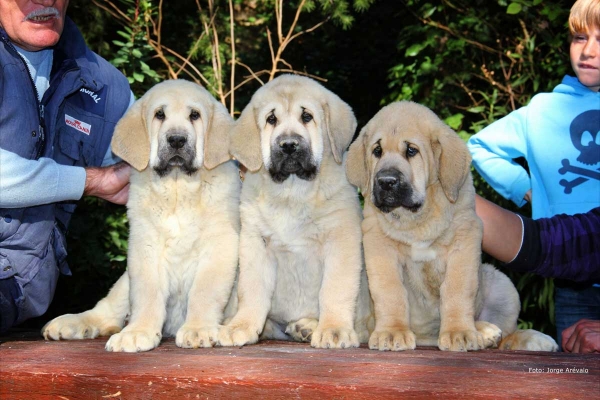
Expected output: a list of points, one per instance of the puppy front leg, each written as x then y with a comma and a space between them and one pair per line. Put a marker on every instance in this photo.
209, 293
106, 318
457, 299
256, 284
148, 292
390, 298
339, 289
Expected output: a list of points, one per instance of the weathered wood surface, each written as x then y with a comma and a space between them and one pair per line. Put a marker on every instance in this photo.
36, 369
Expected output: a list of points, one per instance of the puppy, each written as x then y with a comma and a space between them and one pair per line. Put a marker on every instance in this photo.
422, 240
300, 243
183, 211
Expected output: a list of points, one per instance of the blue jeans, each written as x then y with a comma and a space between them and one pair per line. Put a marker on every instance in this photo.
572, 304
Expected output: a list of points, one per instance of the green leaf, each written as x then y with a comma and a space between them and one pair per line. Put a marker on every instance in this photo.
138, 77
429, 12
514, 8
413, 50
476, 109
136, 53
454, 121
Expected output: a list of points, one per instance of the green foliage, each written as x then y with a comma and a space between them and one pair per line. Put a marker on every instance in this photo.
133, 51
479, 59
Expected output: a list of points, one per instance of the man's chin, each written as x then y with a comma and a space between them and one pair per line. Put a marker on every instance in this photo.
46, 34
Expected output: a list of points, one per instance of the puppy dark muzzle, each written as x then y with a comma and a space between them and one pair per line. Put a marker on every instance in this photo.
291, 154
390, 191
176, 152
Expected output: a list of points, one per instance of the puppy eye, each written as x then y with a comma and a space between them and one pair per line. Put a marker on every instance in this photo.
411, 151
306, 117
194, 115
378, 151
271, 119
159, 114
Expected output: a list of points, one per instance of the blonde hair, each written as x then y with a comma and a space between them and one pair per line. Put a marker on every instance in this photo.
584, 16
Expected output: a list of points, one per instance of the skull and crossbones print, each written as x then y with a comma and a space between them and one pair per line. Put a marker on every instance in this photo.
585, 136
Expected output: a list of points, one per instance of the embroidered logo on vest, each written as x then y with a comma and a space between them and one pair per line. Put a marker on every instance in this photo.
92, 94
77, 124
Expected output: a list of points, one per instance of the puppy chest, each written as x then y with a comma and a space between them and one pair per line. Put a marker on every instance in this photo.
424, 280
423, 252
290, 229
298, 282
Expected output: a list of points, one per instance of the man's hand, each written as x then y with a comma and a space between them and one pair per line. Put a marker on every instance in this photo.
528, 196
109, 183
582, 337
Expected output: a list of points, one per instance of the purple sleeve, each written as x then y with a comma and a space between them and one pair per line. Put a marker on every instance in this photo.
563, 246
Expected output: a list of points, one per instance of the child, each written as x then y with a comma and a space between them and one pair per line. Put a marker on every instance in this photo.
558, 134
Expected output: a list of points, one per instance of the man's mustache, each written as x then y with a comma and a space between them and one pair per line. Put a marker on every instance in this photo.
43, 12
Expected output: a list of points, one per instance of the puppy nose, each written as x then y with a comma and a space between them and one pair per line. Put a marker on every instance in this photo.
177, 141
388, 179
288, 145
387, 182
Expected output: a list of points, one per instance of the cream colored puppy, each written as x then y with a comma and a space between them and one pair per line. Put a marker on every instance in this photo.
183, 212
300, 243
422, 240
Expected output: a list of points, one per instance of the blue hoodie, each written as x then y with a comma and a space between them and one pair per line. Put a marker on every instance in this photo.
558, 134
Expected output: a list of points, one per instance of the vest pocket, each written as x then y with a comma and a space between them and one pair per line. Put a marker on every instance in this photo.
10, 220
6, 268
78, 133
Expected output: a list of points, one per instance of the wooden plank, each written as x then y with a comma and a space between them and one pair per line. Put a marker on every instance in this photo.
84, 370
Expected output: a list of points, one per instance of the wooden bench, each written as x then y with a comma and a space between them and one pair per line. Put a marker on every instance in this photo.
34, 368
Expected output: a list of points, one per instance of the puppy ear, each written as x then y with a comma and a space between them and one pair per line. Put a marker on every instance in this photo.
356, 166
130, 140
245, 140
216, 138
454, 162
341, 125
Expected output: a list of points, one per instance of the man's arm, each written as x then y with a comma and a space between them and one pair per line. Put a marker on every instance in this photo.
27, 183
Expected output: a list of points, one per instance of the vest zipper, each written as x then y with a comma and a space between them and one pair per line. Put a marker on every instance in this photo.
36, 94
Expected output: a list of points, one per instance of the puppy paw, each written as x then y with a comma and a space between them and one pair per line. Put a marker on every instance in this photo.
237, 335
193, 337
529, 340
396, 340
464, 340
133, 340
334, 338
301, 330
491, 334
78, 326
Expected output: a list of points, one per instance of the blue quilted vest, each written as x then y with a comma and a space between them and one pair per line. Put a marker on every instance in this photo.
73, 125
